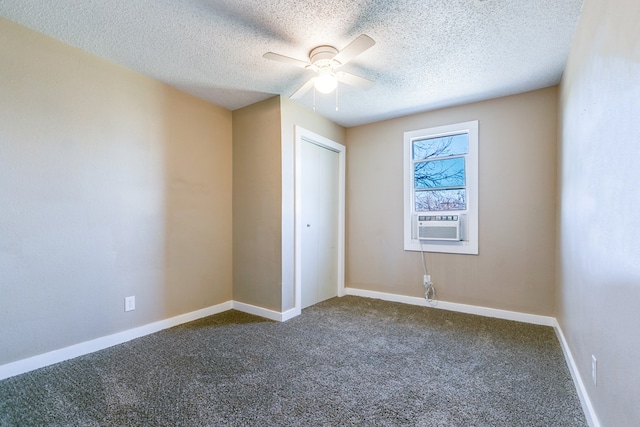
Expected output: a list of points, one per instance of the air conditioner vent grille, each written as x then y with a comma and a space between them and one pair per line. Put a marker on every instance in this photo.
439, 227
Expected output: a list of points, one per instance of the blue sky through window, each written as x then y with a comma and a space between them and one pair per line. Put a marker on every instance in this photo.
442, 146
439, 173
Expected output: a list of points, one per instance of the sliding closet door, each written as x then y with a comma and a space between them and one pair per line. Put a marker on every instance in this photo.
319, 201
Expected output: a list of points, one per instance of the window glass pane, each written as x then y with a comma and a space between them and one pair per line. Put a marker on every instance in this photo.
440, 200
439, 173
452, 145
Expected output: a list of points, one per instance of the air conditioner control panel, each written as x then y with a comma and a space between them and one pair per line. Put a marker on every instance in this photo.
437, 218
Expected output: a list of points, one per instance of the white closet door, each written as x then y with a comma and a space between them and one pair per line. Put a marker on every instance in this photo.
319, 196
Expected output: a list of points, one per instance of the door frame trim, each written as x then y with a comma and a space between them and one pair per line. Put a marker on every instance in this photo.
304, 135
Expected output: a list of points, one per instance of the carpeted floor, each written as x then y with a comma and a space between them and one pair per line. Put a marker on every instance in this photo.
346, 361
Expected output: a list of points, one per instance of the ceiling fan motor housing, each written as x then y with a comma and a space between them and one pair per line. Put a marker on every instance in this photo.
322, 56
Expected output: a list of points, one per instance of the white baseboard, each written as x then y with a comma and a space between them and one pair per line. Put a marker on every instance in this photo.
587, 407
265, 312
290, 314
452, 306
80, 349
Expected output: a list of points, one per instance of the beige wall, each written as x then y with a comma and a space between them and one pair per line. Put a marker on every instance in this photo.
599, 239
257, 201
263, 198
517, 179
112, 184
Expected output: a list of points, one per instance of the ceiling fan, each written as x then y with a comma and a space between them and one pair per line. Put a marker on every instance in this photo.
325, 61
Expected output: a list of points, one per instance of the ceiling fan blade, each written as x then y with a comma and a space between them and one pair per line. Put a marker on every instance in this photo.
353, 80
303, 89
287, 60
355, 48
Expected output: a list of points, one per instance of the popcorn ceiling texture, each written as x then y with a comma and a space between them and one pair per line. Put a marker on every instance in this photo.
428, 54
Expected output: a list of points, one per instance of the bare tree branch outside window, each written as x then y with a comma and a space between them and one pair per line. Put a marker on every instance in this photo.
439, 173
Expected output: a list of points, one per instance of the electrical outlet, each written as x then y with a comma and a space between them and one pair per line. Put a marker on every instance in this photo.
594, 370
130, 303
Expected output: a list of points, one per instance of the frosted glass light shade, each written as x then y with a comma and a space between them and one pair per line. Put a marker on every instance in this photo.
326, 81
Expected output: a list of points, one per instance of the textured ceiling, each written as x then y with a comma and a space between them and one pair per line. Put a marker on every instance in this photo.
428, 54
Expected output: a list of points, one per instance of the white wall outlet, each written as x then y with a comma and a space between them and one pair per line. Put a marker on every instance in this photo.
427, 279
594, 370
130, 303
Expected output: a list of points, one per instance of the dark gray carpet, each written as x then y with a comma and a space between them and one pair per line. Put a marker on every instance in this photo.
347, 361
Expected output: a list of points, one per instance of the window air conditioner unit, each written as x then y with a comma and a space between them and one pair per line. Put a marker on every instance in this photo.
440, 227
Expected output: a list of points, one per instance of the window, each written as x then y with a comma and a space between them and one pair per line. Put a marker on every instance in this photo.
441, 182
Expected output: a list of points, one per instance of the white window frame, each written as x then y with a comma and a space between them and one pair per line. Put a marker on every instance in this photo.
469, 244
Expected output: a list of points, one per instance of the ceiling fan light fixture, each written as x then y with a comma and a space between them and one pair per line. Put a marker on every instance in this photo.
326, 81
326, 61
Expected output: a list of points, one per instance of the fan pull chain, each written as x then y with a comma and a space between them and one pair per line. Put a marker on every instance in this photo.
314, 99
337, 97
